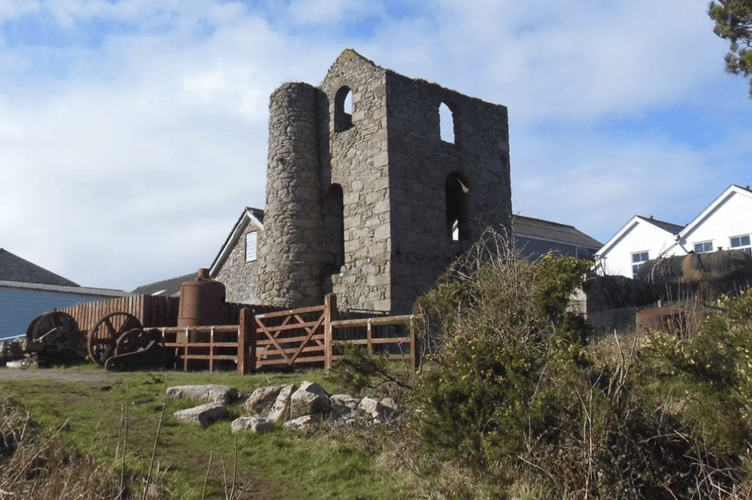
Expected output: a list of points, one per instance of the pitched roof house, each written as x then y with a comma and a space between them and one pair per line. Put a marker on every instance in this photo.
27, 291
535, 237
725, 224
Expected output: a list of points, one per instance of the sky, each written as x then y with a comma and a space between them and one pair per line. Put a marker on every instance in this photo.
133, 133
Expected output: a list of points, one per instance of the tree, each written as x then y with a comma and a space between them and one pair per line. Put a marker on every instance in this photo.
733, 22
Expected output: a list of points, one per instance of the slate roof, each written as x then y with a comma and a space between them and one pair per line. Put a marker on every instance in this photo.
666, 226
14, 268
169, 287
529, 227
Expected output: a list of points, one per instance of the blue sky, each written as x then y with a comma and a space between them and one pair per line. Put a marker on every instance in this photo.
133, 133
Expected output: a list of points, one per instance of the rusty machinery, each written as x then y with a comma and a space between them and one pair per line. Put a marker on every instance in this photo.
119, 342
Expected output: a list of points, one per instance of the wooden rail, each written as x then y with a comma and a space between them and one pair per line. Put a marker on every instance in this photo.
309, 336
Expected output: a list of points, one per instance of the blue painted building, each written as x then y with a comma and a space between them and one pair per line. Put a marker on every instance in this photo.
27, 291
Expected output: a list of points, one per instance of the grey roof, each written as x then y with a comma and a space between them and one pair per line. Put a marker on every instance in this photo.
552, 231
666, 226
169, 287
14, 268
72, 290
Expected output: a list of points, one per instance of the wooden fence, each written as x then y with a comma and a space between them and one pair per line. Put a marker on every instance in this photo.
151, 310
311, 337
305, 337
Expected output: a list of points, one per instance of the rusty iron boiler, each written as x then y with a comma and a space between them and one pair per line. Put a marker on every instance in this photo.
202, 301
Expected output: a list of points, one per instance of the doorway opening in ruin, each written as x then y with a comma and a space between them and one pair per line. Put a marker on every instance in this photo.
334, 227
456, 189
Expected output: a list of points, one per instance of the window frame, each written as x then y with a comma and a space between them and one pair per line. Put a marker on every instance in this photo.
638, 261
744, 247
704, 246
251, 234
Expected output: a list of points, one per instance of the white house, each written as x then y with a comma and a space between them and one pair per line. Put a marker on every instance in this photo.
724, 224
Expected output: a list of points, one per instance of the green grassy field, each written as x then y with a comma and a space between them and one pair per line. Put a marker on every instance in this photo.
119, 422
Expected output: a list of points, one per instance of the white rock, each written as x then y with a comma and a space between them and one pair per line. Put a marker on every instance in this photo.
310, 398
202, 415
281, 407
300, 423
210, 393
255, 423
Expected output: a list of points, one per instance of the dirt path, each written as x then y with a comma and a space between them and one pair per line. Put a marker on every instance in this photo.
68, 374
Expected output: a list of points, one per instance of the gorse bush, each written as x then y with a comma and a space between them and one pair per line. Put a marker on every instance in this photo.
504, 333
511, 389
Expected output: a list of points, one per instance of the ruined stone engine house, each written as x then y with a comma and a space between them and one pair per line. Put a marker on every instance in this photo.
364, 198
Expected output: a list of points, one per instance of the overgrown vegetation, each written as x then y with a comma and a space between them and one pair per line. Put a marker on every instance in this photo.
516, 399
515, 402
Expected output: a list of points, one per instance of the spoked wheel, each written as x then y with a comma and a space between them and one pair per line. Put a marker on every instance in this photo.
104, 335
46, 323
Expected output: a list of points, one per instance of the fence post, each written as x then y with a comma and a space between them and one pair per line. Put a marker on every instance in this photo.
246, 342
330, 314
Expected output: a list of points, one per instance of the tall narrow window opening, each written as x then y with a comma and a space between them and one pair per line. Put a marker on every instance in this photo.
250, 246
334, 226
446, 120
456, 190
343, 109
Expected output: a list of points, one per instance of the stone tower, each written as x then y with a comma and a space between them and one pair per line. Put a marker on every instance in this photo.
364, 197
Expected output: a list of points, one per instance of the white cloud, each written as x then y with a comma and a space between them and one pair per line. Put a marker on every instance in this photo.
127, 159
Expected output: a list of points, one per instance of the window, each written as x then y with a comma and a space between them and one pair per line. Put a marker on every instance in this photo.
446, 123
250, 246
343, 109
742, 243
456, 191
703, 247
638, 259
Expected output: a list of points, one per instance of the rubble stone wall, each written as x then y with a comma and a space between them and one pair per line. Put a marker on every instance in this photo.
360, 199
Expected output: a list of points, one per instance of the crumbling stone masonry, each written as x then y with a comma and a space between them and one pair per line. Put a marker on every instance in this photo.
364, 198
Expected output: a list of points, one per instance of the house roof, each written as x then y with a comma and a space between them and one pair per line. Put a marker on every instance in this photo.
728, 193
14, 268
249, 215
666, 226
669, 228
73, 290
544, 230
169, 287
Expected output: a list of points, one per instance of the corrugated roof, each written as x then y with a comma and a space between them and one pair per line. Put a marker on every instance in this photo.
14, 268
552, 231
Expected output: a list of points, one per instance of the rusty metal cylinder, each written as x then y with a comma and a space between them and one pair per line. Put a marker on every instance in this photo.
202, 301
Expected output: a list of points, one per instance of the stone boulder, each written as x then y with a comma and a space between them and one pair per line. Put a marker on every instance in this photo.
281, 408
253, 423
262, 400
209, 393
202, 415
300, 423
309, 399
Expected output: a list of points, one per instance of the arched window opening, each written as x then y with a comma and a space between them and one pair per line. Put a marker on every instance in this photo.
456, 190
334, 227
343, 109
446, 121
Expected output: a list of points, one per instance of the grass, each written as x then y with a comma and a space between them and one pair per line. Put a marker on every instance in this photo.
119, 422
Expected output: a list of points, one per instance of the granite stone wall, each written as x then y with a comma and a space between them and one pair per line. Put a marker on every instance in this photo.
362, 198
239, 276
